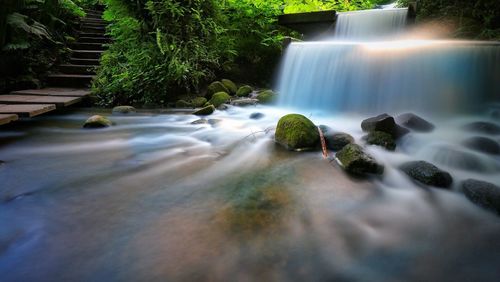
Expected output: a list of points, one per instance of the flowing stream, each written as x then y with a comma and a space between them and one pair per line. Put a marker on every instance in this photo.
158, 198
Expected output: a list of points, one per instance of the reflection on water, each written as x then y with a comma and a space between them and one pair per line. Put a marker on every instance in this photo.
157, 198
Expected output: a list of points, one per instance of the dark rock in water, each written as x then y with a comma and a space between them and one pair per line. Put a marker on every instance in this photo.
427, 173
382, 139
97, 121
337, 141
355, 161
223, 107
483, 127
256, 115
414, 122
456, 158
2, 163
383, 122
183, 104
208, 110
214, 122
495, 114
200, 121
123, 110
484, 194
296, 132
482, 144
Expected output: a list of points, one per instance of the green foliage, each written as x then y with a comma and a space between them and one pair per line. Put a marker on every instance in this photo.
298, 6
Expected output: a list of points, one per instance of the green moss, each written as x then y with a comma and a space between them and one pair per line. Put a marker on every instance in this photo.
219, 98
266, 97
183, 104
296, 132
199, 102
355, 161
97, 121
230, 86
382, 139
216, 87
208, 110
244, 91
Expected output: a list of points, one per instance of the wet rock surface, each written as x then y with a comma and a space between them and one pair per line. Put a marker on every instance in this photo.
382, 139
124, 110
427, 174
296, 132
256, 115
208, 110
483, 127
354, 160
97, 121
414, 122
482, 144
484, 194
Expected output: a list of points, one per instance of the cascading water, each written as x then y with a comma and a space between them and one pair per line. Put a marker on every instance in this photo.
356, 73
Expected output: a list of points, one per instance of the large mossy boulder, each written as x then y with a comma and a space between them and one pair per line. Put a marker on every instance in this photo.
230, 86
414, 122
355, 161
382, 139
266, 97
216, 87
219, 98
244, 91
484, 194
183, 104
296, 132
205, 111
97, 121
123, 110
198, 101
427, 173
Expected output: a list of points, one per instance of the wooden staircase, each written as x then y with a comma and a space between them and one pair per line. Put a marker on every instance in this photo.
73, 79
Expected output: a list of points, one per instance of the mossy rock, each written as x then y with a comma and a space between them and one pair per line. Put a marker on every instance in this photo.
208, 110
183, 104
244, 91
382, 139
355, 161
97, 121
266, 97
230, 86
296, 132
123, 110
219, 98
199, 102
216, 87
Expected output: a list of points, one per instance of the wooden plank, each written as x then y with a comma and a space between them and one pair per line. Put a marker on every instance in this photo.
7, 118
26, 110
60, 101
69, 92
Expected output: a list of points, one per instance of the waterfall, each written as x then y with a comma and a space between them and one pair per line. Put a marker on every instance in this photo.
364, 70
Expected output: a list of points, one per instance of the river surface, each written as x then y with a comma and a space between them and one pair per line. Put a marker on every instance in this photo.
156, 198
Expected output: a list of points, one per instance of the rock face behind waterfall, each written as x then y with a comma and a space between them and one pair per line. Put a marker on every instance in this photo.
296, 132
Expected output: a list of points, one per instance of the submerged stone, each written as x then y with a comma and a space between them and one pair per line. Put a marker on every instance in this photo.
353, 159
483, 127
427, 174
484, 194
244, 102
230, 86
335, 140
482, 144
382, 139
219, 98
97, 121
200, 121
296, 132
266, 97
244, 91
256, 115
414, 122
183, 104
208, 110
198, 101
216, 87
123, 110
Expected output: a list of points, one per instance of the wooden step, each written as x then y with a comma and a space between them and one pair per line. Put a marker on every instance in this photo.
59, 101
78, 61
26, 110
69, 92
77, 69
87, 54
88, 46
101, 40
70, 80
7, 118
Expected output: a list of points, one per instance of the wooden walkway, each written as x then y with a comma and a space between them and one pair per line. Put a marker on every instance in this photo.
71, 84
